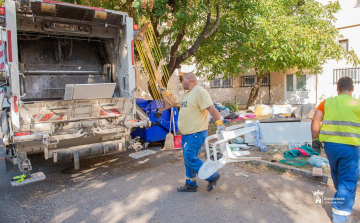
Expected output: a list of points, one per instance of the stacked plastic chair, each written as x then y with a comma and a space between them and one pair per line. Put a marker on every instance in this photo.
210, 166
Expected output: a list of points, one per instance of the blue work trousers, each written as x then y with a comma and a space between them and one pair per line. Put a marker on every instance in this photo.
344, 165
191, 145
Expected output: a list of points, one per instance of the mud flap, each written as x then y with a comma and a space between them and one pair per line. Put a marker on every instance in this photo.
35, 177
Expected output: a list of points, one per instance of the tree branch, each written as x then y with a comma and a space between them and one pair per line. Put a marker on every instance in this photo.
173, 5
165, 33
131, 9
155, 23
174, 49
203, 36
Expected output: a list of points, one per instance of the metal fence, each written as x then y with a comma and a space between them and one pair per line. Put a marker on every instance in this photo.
250, 80
353, 73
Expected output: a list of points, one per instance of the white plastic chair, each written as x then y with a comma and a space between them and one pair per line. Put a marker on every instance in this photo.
209, 167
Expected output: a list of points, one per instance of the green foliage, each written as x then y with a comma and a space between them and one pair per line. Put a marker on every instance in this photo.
232, 106
172, 18
265, 35
273, 35
323, 97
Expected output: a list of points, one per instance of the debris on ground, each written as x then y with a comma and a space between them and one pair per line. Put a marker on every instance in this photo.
274, 153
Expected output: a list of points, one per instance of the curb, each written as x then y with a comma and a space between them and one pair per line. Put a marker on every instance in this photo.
304, 173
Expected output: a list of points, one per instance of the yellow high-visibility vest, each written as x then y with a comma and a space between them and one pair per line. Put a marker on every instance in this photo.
341, 121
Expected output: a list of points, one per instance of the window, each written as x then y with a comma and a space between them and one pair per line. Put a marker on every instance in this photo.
295, 83
227, 82
354, 73
266, 81
216, 83
344, 44
221, 83
301, 83
289, 82
250, 81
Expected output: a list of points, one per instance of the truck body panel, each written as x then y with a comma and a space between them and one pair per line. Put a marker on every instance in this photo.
53, 48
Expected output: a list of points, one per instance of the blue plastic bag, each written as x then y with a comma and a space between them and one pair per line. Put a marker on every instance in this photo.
318, 161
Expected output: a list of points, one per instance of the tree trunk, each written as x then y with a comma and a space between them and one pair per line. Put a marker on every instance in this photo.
255, 90
176, 60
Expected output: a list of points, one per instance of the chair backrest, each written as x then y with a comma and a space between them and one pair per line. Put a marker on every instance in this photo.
228, 135
224, 138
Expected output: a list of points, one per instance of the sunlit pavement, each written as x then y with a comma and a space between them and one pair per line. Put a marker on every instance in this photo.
116, 188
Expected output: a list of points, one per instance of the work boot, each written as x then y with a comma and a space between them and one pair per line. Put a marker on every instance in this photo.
187, 188
212, 183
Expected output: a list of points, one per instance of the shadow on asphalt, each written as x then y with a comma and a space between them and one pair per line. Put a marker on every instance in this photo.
116, 188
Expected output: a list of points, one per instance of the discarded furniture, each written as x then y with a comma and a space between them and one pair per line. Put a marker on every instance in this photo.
282, 133
210, 166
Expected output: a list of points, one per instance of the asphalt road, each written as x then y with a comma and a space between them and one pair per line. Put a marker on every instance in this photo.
116, 188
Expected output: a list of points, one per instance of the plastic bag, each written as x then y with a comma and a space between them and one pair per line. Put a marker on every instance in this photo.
239, 140
262, 110
294, 145
318, 161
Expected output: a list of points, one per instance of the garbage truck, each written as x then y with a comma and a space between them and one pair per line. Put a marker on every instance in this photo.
68, 78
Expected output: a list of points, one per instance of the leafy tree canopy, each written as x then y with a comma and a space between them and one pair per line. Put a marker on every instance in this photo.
230, 37
272, 36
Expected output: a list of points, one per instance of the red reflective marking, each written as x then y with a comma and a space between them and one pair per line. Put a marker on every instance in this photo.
115, 111
103, 113
132, 52
9, 45
1, 42
46, 117
1, 53
16, 105
22, 133
61, 117
2, 66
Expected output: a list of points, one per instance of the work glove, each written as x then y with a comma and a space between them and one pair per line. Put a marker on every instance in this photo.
220, 128
317, 145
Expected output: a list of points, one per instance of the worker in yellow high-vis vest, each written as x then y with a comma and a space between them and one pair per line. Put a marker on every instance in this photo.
340, 133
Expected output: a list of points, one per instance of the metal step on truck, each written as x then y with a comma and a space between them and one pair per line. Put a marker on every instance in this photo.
68, 76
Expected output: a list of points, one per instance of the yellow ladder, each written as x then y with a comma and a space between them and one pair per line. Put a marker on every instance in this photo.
154, 66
